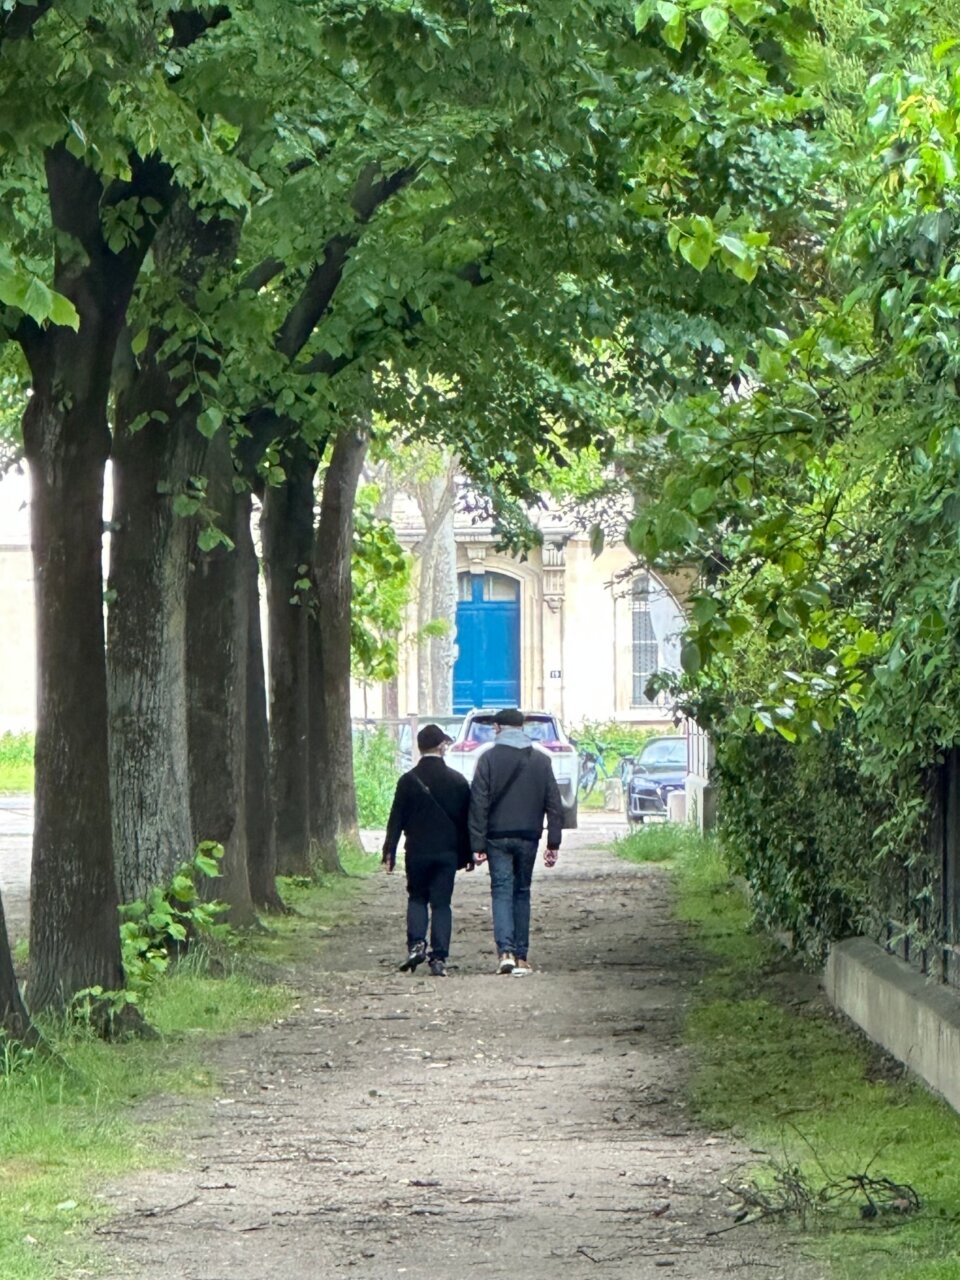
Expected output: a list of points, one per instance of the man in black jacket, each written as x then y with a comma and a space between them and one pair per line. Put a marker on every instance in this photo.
513, 790
430, 807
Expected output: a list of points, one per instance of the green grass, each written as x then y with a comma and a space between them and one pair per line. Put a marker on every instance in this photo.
67, 1123
805, 1088
656, 842
16, 762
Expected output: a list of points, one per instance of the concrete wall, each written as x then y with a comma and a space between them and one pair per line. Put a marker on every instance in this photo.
912, 1017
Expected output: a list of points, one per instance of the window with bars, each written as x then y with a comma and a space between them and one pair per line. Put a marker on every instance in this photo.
645, 648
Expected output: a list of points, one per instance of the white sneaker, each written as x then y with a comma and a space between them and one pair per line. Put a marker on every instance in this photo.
508, 962
522, 968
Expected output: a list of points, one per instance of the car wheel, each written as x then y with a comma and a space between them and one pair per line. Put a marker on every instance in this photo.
570, 817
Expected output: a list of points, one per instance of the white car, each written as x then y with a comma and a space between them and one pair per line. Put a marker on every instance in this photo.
476, 735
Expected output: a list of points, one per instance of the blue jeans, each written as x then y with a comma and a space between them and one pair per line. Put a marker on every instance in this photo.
511, 870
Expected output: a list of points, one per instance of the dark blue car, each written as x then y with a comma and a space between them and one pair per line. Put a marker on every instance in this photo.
661, 767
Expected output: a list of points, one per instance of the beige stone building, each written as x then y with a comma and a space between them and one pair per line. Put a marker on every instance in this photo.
560, 630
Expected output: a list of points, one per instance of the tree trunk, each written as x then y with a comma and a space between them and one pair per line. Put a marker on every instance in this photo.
217, 638
324, 854
332, 757
258, 806
287, 533
436, 591
150, 550
14, 1021
425, 566
445, 607
146, 652
74, 927
74, 934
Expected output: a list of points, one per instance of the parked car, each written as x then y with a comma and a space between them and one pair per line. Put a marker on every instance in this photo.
661, 767
476, 736
449, 724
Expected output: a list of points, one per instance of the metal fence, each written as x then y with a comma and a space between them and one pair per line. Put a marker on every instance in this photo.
922, 912
402, 732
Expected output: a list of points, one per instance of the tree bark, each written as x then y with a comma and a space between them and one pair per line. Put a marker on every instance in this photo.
287, 533
74, 934
150, 550
335, 800
74, 927
445, 607
149, 557
217, 638
258, 804
436, 591
14, 1020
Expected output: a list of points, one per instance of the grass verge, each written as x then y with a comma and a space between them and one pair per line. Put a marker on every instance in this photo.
67, 1120
16, 762
793, 1080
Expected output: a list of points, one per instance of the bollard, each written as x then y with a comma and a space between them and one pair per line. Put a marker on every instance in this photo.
677, 806
613, 795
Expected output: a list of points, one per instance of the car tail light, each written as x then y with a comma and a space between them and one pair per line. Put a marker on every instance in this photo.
560, 748
468, 745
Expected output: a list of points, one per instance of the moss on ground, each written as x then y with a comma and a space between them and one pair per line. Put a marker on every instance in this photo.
793, 1079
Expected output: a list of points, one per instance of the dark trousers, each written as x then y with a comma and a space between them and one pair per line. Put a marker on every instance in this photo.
429, 890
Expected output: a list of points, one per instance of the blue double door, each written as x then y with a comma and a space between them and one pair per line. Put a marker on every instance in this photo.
487, 669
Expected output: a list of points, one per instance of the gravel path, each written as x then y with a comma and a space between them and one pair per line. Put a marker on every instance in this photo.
478, 1126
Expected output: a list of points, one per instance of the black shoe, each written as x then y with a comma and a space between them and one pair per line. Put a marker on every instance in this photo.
418, 953
438, 968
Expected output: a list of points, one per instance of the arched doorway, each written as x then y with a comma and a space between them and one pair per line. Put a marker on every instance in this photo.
487, 669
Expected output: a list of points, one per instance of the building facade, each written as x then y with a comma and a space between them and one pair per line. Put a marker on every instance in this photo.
560, 630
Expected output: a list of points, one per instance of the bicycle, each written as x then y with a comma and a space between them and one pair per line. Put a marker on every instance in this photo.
592, 765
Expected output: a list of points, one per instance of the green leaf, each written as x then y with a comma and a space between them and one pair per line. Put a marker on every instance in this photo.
690, 657
211, 537
715, 21
696, 251
209, 421
642, 14
675, 31
702, 500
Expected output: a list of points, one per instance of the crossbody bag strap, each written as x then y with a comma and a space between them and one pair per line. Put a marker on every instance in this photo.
443, 809
525, 754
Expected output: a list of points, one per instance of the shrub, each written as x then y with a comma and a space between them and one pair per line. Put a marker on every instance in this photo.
618, 739
798, 822
375, 775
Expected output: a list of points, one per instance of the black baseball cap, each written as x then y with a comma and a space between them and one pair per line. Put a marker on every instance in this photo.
432, 736
510, 718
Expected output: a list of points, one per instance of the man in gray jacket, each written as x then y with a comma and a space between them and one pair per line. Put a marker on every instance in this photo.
513, 790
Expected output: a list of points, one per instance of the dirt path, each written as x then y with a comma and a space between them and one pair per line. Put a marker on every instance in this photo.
478, 1126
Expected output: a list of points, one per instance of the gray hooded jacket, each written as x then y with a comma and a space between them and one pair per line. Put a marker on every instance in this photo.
503, 805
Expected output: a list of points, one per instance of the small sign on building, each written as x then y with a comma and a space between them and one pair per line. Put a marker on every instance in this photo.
554, 675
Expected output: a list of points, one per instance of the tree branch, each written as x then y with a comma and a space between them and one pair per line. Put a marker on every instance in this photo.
19, 22
325, 365
188, 25
371, 191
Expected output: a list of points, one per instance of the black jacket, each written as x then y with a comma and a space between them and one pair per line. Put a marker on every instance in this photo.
532, 795
435, 823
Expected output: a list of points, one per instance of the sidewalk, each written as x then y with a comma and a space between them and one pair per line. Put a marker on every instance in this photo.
16, 834
481, 1126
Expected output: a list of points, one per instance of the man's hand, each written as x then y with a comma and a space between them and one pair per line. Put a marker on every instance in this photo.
550, 857
479, 857
388, 866
471, 866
